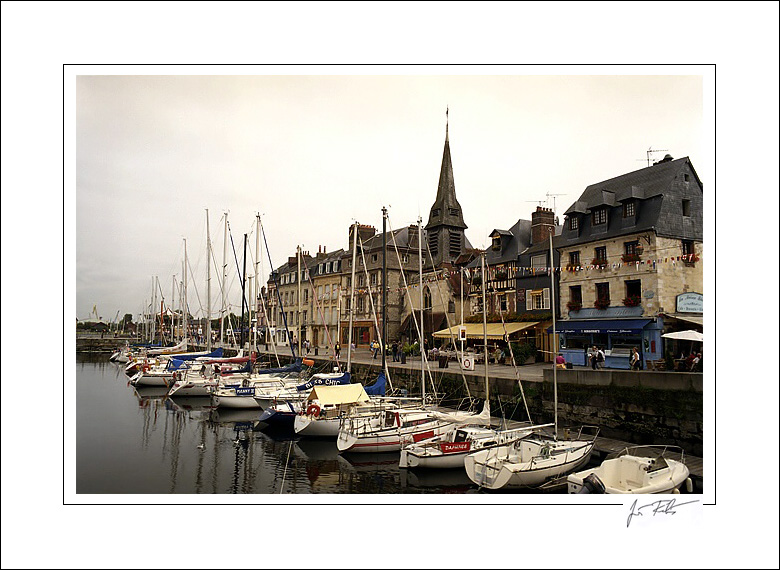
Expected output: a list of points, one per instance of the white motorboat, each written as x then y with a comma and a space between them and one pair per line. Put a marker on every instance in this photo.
326, 405
640, 469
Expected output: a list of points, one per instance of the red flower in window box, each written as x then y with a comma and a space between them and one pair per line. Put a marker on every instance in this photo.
630, 258
601, 304
632, 301
574, 305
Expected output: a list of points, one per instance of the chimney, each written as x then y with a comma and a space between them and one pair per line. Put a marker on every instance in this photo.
542, 222
293, 260
364, 233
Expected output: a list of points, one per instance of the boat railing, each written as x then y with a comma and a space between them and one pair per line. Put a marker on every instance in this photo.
652, 451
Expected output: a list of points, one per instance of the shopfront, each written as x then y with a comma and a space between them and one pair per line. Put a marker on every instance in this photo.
615, 337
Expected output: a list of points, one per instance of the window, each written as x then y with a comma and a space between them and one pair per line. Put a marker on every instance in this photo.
539, 262
427, 299
451, 306
361, 280
361, 304
574, 258
335, 292
327, 291
601, 254
405, 258
435, 212
630, 248
373, 279
687, 247
455, 243
633, 288
433, 242
305, 295
574, 223
687, 177
686, 208
453, 211
575, 294
599, 216
304, 317
502, 303
629, 209
349, 282
537, 299
319, 292
602, 293
374, 257
496, 243
326, 316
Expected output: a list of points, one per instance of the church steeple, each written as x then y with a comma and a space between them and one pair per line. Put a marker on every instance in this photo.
445, 221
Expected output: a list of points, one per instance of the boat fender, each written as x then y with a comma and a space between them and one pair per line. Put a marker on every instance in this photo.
676, 492
592, 485
689, 485
313, 410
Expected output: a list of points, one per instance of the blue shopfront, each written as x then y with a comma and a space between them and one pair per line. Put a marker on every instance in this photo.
616, 337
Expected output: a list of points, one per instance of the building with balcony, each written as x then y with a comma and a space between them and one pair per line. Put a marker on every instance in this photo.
631, 250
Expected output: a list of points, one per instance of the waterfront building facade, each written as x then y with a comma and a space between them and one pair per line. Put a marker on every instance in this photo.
631, 250
295, 308
322, 320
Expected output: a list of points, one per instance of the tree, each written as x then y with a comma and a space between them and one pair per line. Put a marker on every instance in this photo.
127, 319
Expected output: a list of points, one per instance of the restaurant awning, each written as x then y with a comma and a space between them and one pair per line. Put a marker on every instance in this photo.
586, 327
495, 331
693, 319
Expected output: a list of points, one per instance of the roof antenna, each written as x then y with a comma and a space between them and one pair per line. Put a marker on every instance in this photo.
650, 151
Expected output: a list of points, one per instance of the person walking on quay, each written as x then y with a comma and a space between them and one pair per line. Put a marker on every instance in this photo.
336, 349
374, 348
593, 357
635, 362
395, 351
600, 358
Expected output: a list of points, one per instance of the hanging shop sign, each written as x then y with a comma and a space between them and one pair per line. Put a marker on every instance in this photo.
690, 303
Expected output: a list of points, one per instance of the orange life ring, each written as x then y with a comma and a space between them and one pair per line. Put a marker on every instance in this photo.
145, 367
313, 410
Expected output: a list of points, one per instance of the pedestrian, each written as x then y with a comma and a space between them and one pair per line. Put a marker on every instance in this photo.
635, 361
337, 349
395, 351
560, 362
374, 348
307, 344
593, 357
600, 358
696, 361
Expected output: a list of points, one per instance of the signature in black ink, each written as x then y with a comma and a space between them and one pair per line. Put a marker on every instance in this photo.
662, 506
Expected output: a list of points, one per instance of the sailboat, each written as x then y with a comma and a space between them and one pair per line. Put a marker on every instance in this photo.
390, 429
534, 460
449, 450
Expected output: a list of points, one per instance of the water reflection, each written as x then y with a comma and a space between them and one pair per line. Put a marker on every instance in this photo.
185, 445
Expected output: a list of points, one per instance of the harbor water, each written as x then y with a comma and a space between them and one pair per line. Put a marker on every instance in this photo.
135, 440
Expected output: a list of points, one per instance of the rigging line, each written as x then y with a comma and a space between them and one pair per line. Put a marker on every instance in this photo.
449, 325
319, 310
194, 284
373, 309
411, 305
276, 287
238, 269
514, 367
286, 462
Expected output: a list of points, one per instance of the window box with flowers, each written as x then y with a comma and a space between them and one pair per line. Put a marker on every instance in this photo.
632, 301
501, 275
630, 258
601, 303
574, 305
598, 262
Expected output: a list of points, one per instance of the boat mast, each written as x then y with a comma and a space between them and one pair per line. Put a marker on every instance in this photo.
554, 339
243, 295
208, 284
298, 315
224, 284
422, 309
184, 316
257, 283
352, 295
461, 310
384, 290
484, 325
173, 309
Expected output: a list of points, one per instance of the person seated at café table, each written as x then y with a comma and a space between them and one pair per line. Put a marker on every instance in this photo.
560, 362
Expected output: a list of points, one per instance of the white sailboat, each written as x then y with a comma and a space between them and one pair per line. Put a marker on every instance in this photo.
534, 460
449, 450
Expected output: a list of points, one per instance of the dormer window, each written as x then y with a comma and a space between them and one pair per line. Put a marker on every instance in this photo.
496, 243
599, 216
629, 209
435, 212
453, 211
574, 223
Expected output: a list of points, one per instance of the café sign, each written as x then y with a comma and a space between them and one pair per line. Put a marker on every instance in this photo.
690, 303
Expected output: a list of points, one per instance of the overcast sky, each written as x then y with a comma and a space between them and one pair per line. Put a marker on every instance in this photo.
312, 153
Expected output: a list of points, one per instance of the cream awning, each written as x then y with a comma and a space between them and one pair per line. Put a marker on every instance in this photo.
495, 331
694, 319
346, 394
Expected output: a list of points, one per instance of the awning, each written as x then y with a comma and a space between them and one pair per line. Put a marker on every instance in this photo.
586, 327
495, 331
346, 394
693, 319
685, 335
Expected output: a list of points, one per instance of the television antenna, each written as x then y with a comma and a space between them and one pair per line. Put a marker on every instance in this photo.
649, 151
546, 201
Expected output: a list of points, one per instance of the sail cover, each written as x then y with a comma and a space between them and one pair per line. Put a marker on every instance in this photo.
483, 418
377, 388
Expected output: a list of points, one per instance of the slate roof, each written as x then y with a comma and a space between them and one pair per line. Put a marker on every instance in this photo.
659, 191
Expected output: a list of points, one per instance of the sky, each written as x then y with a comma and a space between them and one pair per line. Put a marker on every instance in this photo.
106, 170
313, 152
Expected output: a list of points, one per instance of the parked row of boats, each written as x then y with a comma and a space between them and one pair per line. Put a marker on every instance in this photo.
364, 419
